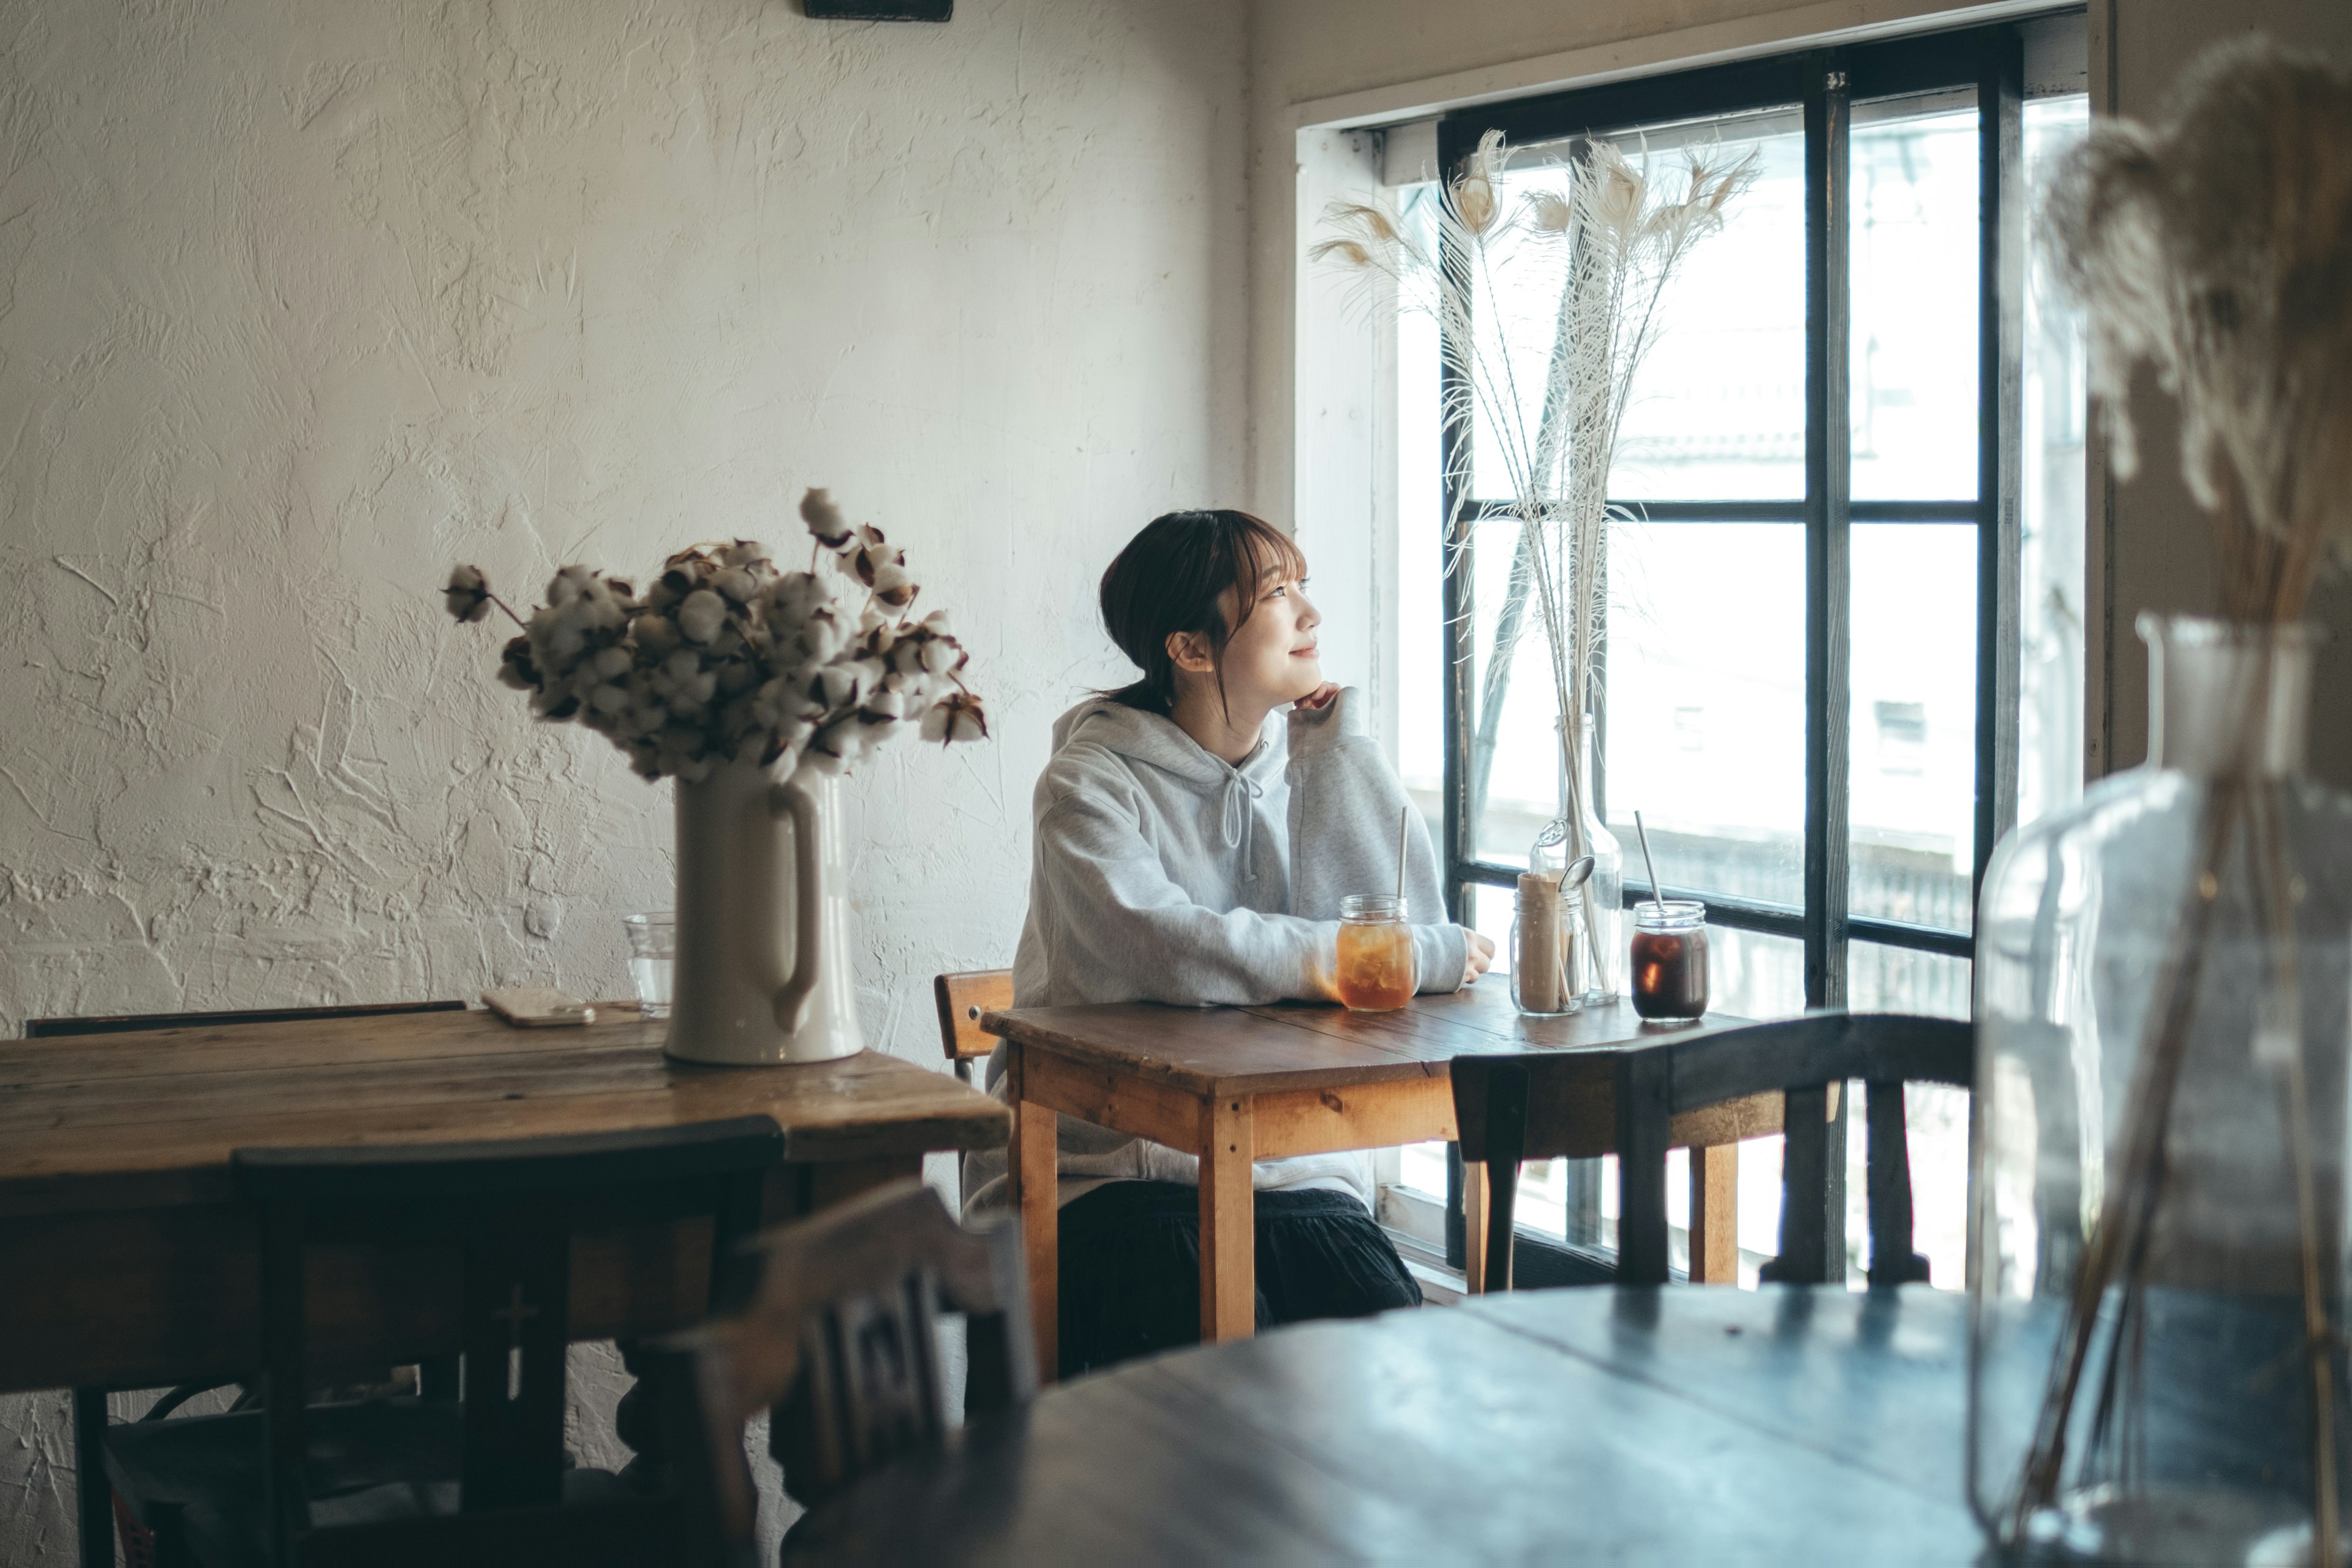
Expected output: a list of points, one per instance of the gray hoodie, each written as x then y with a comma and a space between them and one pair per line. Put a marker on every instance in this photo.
1160, 873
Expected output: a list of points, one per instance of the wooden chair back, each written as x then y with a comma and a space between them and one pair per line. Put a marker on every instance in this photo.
962, 999
512, 1207
840, 1344
124, 1022
1514, 1108
95, 1526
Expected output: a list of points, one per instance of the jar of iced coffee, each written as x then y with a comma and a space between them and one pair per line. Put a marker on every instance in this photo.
1375, 962
1670, 959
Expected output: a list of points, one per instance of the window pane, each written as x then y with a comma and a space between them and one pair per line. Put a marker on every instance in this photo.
1912, 726
1914, 298
2050, 611
1706, 664
1515, 784
1719, 410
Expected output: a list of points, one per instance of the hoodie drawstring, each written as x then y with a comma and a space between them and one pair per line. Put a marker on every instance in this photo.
1238, 829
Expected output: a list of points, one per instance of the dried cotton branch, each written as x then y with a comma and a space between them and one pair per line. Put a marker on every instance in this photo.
725, 658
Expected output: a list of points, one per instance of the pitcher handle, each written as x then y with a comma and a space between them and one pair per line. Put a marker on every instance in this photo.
792, 999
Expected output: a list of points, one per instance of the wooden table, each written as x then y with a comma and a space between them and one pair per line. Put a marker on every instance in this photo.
1794, 1425
1233, 1085
128, 1262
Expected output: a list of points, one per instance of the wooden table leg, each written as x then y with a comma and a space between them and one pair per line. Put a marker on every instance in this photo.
1036, 1196
1715, 1215
1228, 1223
1474, 1227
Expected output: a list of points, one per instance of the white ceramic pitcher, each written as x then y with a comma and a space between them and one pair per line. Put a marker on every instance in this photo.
762, 972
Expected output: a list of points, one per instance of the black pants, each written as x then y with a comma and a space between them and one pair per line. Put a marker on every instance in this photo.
1130, 1267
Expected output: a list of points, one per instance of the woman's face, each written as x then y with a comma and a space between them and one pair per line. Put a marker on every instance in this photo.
1271, 657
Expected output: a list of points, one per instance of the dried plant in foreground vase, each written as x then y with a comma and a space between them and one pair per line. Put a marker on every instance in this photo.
1606, 251
2163, 972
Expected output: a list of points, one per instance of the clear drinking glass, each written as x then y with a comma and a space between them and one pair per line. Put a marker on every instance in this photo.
653, 947
1375, 958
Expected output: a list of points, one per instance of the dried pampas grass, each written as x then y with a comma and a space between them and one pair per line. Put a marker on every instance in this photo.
2216, 248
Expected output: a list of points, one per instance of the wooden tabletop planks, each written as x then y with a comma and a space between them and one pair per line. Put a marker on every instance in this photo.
1257, 1050
149, 1119
1682, 1426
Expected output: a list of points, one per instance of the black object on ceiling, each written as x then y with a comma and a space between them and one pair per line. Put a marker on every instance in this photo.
880, 10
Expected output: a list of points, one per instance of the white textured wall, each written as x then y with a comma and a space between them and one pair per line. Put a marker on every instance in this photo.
299, 302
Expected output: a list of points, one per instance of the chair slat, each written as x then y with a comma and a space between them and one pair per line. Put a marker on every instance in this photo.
962, 999
1534, 1106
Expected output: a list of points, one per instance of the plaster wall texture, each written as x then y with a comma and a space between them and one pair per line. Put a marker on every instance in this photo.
301, 304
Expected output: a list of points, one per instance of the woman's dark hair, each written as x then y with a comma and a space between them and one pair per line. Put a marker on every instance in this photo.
1171, 578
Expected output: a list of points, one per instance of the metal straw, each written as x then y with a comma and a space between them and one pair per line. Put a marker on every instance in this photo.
1657, 894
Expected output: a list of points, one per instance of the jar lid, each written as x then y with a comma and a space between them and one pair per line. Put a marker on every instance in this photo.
1371, 907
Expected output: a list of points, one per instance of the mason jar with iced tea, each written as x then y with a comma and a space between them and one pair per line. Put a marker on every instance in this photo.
1375, 970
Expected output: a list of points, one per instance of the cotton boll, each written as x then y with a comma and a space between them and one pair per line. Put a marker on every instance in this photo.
736, 583
836, 684
744, 552
609, 699
467, 595
885, 704
693, 770
613, 661
892, 582
822, 636
701, 615
824, 520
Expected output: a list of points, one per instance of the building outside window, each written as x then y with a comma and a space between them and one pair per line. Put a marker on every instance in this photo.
1912, 577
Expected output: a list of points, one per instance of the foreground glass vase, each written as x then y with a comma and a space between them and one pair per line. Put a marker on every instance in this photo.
2157, 1369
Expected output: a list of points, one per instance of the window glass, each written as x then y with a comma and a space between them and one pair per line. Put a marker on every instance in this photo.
2056, 405
1718, 411
1706, 670
1913, 277
1912, 723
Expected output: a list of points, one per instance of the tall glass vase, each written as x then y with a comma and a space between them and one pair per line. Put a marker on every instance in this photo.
2157, 1366
1603, 900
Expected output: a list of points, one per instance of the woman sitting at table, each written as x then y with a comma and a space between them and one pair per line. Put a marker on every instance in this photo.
1190, 850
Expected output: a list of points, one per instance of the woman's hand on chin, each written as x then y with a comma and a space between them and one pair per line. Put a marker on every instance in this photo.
1320, 697
1477, 955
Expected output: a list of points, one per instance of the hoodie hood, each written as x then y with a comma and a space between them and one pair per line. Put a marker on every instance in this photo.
1161, 743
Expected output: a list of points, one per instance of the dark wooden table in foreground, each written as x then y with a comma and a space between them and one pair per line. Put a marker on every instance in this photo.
1233, 1085
128, 1262
1797, 1425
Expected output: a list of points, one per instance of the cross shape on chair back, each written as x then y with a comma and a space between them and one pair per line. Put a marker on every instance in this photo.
512, 1207
1517, 1107
841, 1342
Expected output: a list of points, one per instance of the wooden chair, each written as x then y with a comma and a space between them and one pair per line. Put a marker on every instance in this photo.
963, 998
841, 1345
1514, 1108
96, 1525
425, 1481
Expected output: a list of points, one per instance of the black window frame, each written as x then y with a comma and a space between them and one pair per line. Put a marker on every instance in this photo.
1825, 84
